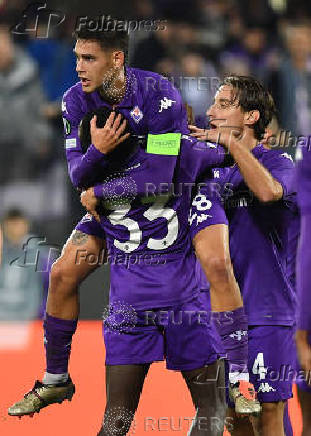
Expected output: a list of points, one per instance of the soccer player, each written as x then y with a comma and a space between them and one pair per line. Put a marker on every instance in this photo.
152, 106
303, 334
258, 195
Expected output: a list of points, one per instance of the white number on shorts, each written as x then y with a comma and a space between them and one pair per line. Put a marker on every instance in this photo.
157, 210
259, 366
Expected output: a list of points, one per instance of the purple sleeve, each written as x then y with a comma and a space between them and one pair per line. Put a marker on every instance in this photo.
281, 167
198, 156
80, 166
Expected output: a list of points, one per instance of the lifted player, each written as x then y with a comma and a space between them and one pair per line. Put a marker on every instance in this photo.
151, 105
259, 198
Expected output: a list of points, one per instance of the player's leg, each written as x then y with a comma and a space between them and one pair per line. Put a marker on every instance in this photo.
70, 269
212, 249
270, 421
61, 318
193, 347
124, 384
272, 369
304, 395
207, 388
210, 237
237, 425
131, 346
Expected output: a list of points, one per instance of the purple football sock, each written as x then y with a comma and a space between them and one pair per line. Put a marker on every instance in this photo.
232, 327
57, 341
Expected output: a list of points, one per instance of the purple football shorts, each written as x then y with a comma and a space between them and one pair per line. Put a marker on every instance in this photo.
271, 361
182, 334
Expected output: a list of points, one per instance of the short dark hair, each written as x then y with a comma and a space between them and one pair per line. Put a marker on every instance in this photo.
107, 39
252, 95
14, 213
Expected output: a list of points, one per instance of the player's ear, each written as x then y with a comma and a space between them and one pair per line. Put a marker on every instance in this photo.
118, 58
251, 117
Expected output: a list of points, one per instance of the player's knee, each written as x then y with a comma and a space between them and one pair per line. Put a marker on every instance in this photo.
60, 273
271, 413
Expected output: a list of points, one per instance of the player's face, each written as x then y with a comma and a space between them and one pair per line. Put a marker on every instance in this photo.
95, 66
225, 110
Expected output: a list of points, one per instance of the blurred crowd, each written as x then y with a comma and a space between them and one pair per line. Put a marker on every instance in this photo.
203, 41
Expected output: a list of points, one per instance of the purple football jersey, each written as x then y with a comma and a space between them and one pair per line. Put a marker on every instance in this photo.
150, 250
304, 252
263, 239
151, 105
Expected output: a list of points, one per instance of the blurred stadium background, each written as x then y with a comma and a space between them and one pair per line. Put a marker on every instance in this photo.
203, 41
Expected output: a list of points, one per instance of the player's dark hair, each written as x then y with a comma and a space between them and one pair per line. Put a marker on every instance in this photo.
14, 213
107, 39
252, 95
122, 151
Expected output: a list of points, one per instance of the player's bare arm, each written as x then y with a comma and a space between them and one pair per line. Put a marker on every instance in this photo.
257, 177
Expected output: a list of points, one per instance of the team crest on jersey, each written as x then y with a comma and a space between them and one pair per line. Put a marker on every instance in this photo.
136, 114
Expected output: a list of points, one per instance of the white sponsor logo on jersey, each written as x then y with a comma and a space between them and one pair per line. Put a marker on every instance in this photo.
265, 387
166, 103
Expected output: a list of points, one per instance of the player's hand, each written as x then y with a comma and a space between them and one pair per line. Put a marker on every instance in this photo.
224, 135
110, 136
200, 134
89, 201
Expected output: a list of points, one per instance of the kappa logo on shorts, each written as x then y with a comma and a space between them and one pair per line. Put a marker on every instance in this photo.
265, 387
